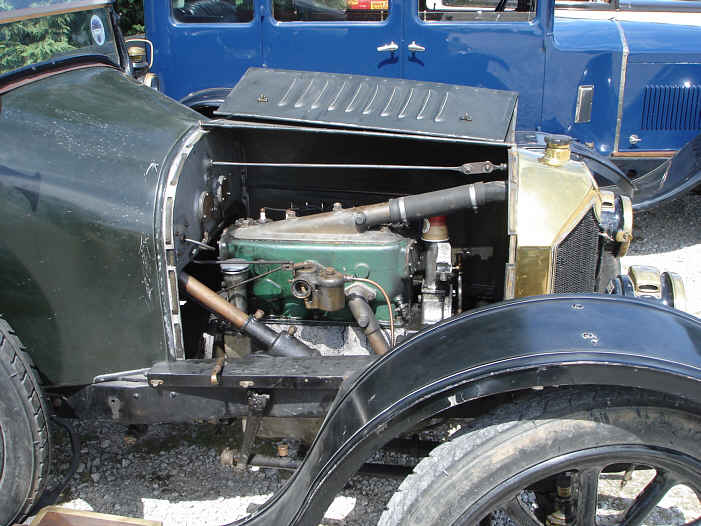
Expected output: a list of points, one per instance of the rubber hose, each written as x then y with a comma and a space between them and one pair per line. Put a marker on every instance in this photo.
446, 201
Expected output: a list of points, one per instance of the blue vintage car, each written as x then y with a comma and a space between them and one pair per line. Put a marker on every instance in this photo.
623, 78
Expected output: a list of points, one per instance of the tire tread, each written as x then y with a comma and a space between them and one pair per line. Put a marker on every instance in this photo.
26, 377
493, 428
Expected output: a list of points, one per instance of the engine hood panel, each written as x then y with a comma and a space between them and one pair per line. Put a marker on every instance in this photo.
373, 103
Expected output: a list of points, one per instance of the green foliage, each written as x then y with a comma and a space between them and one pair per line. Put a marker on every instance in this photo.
34, 40
131, 16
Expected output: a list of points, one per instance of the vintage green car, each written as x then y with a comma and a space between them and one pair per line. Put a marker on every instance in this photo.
352, 254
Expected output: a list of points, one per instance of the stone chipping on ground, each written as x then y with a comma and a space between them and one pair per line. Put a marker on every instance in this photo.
173, 472
669, 237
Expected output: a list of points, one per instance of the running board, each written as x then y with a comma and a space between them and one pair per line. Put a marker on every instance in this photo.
259, 372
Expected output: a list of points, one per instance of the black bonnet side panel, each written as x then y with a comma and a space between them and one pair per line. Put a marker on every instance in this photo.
372, 103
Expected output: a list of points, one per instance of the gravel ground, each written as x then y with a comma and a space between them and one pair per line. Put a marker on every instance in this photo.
669, 238
173, 473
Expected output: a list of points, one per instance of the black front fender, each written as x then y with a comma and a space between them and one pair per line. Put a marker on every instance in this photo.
532, 342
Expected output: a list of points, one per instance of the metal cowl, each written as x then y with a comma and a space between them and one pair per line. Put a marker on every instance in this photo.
557, 213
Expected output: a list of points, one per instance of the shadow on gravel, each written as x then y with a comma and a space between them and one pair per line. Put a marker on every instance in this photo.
173, 473
673, 226
669, 516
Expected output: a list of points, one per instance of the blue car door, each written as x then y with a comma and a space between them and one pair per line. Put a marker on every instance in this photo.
340, 36
488, 43
202, 44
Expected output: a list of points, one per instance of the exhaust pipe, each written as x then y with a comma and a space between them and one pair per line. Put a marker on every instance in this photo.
276, 343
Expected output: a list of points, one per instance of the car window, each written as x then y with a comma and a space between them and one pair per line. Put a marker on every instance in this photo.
666, 6
330, 10
213, 11
15, 5
38, 39
476, 10
583, 4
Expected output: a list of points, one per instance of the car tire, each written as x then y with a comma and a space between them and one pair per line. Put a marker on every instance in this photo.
24, 433
462, 479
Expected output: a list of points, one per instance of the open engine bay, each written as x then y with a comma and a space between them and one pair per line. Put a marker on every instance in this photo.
302, 241
293, 228
344, 242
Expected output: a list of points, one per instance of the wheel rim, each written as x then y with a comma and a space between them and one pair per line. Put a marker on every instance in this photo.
2, 451
671, 469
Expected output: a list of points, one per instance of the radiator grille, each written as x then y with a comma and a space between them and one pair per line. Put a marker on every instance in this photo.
577, 257
671, 108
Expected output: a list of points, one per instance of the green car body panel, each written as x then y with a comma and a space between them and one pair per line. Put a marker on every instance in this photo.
77, 220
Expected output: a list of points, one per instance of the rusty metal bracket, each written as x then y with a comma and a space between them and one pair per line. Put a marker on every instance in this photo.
257, 403
214, 378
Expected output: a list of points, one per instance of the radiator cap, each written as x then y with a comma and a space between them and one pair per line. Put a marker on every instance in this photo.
557, 150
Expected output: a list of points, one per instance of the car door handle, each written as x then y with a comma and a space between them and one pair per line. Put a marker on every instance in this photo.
391, 47
415, 48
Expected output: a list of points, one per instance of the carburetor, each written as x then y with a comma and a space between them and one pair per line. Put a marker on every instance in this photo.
320, 287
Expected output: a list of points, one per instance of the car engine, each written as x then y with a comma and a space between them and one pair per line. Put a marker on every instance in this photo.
361, 264
351, 280
312, 242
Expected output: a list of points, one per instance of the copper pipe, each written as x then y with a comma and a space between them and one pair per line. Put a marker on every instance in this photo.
378, 343
213, 301
389, 303
364, 315
277, 344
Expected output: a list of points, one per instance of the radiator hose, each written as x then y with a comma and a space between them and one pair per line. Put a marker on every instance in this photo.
440, 202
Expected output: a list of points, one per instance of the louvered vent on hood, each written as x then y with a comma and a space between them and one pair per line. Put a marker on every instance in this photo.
671, 108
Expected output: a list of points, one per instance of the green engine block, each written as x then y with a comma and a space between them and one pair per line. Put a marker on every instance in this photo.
380, 255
